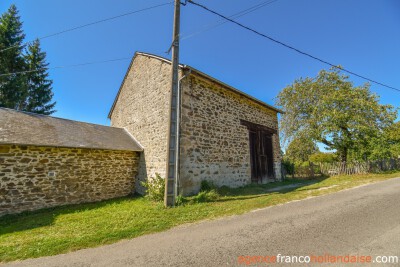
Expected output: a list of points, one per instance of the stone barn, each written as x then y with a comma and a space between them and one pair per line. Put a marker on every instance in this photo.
47, 161
227, 137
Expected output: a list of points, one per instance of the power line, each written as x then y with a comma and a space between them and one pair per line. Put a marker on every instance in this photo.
90, 24
67, 66
291, 47
211, 26
234, 16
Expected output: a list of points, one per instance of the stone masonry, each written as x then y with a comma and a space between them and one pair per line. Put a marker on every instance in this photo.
34, 177
142, 109
214, 145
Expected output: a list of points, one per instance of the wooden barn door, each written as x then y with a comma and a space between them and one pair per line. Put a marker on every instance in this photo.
267, 155
261, 154
254, 158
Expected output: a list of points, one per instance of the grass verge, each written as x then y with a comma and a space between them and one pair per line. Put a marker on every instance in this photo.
63, 229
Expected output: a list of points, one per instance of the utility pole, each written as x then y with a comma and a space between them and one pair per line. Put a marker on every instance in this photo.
172, 140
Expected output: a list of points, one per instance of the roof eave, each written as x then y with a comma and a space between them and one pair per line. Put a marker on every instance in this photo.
120, 87
71, 147
234, 89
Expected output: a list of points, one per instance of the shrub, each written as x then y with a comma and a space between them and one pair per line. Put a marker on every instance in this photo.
206, 196
224, 190
155, 188
208, 193
206, 186
180, 200
288, 167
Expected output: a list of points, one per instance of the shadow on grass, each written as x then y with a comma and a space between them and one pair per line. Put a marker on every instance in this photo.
259, 190
44, 217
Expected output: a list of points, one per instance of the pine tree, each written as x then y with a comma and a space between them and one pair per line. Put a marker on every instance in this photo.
12, 87
30, 91
39, 87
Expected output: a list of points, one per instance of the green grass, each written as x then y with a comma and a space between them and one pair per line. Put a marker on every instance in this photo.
63, 229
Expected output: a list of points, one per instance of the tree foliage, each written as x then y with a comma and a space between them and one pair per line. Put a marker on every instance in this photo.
321, 157
329, 109
300, 149
12, 87
25, 90
384, 146
392, 134
39, 87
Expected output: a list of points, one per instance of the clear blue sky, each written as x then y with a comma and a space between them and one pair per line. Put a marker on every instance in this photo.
360, 35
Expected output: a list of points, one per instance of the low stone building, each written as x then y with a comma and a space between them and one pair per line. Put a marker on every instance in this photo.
227, 137
47, 161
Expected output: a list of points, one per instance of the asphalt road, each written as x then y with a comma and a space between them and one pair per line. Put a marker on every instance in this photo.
359, 221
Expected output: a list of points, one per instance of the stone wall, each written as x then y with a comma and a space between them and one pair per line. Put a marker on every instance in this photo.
214, 145
142, 109
80, 175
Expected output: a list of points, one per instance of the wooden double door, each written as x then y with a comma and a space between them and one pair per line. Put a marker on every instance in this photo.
261, 156
261, 152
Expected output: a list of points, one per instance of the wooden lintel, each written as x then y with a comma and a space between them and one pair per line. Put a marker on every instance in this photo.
257, 127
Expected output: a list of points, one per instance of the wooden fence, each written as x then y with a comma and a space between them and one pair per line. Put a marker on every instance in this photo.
341, 168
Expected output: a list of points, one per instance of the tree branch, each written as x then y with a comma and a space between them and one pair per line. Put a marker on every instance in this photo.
326, 142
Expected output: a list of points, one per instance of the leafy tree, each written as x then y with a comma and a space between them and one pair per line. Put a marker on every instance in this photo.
299, 150
393, 137
330, 110
39, 87
12, 87
30, 90
323, 157
384, 146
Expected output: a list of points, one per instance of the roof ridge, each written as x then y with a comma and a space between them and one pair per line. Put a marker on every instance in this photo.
58, 118
27, 128
183, 66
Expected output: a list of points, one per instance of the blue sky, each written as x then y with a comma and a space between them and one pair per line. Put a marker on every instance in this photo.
360, 35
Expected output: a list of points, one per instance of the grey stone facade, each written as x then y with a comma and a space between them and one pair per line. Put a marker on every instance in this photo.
141, 107
35, 177
214, 144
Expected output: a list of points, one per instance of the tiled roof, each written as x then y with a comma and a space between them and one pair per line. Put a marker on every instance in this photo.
26, 128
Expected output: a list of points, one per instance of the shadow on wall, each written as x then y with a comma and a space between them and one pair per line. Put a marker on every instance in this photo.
141, 175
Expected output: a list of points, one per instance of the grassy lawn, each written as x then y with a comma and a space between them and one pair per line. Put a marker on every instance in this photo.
63, 229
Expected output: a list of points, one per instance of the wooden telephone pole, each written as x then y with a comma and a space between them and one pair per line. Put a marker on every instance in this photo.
172, 170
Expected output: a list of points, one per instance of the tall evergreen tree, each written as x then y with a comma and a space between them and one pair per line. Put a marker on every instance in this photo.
12, 87
39, 87
30, 90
